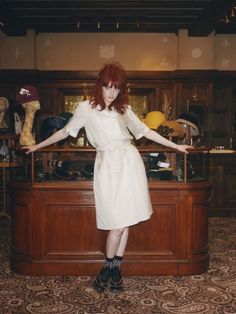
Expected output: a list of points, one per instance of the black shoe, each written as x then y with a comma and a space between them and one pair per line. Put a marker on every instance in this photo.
116, 280
102, 279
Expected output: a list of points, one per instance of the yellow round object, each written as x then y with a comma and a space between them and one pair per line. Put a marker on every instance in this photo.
154, 119
176, 126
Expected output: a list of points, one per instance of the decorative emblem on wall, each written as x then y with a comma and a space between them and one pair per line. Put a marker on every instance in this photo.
48, 42
17, 52
165, 40
226, 43
196, 53
164, 63
107, 51
225, 63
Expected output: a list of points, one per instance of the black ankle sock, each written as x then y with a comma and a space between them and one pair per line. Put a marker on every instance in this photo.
109, 262
117, 261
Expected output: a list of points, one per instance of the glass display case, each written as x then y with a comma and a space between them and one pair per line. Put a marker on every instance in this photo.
67, 163
7, 142
170, 165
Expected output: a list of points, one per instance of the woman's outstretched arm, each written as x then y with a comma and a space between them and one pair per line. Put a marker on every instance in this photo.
56, 137
157, 138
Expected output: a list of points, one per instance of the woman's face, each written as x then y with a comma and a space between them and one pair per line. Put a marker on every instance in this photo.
109, 93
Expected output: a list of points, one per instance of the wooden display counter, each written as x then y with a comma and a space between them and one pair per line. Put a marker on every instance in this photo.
54, 230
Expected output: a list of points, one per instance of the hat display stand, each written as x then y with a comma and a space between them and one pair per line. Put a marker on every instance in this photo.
190, 122
27, 137
28, 98
188, 134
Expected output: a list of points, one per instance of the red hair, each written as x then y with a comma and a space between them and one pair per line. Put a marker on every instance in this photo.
113, 75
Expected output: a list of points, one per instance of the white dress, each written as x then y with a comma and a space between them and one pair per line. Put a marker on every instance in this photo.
120, 184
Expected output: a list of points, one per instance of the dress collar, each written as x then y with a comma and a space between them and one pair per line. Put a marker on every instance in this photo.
108, 113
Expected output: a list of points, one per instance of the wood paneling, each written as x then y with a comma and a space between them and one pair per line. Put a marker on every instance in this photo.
221, 115
223, 177
63, 237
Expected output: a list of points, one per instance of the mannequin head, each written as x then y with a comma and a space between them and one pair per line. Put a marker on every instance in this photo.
31, 106
4, 104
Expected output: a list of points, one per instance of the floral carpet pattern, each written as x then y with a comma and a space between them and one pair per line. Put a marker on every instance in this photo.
211, 292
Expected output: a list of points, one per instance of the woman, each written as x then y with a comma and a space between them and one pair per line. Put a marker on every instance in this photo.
120, 184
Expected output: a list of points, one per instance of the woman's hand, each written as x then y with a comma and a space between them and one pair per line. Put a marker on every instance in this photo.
184, 148
29, 148
157, 138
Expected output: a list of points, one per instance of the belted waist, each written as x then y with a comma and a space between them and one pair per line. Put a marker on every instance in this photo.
113, 156
112, 147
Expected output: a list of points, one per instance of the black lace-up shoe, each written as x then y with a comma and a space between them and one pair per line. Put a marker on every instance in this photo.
102, 279
116, 280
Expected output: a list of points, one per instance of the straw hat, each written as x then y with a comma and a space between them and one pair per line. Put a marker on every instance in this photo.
154, 119
178, 130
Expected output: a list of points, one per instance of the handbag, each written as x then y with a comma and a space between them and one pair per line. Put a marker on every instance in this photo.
17, 124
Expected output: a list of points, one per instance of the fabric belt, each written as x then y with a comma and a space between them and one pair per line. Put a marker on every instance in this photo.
113, 155
118, 145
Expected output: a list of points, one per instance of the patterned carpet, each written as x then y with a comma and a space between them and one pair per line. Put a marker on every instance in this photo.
211, 292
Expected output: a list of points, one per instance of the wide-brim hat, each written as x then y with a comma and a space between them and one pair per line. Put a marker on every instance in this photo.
190, 118
175, 127
26, 94
154, 119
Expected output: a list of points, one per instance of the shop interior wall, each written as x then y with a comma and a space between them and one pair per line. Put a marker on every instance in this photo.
135, 51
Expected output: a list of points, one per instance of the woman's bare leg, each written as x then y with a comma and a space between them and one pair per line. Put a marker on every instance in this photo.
123, 242
116, 242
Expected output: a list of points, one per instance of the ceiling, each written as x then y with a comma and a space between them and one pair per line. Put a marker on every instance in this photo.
199, 17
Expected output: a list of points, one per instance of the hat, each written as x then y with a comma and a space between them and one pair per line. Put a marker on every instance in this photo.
176, 127
190, 118
88, 170
26, 94
49, 125
154, 119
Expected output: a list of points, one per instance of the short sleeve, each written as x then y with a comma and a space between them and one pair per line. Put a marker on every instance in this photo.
134, 124
78, 120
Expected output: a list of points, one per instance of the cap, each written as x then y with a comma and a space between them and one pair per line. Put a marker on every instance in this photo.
26, 94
